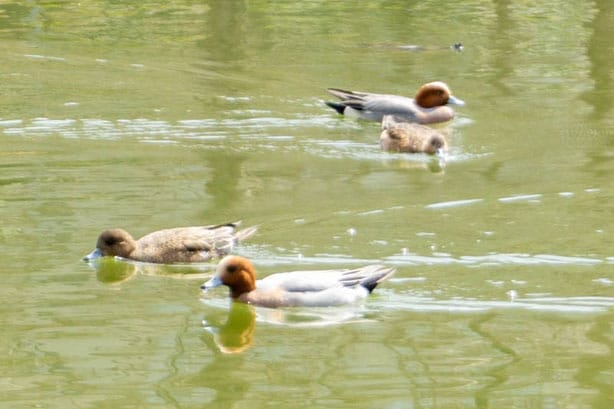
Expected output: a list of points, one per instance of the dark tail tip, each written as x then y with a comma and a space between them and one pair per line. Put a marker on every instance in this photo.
336, 106
370, 286
372, 281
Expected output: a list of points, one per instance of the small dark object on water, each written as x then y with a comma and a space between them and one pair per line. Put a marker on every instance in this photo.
457, 47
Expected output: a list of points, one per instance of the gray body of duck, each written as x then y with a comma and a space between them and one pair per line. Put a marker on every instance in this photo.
297, 288
431, 104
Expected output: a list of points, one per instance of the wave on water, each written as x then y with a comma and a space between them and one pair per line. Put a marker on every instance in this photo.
267, 258
552, 304
494, 259
256, 126
96, 128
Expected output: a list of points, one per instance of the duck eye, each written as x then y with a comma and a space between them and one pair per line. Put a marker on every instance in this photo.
232, 268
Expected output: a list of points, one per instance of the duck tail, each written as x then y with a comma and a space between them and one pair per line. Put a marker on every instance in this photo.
388, 122
246, 233
391, 121
336, 106
377, 276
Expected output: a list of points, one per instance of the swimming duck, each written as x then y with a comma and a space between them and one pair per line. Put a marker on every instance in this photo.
431, 104
401, 136
177, 245
298, 288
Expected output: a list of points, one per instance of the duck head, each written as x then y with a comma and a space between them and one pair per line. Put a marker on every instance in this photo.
436, 145
434, 94
113, 242
235, 272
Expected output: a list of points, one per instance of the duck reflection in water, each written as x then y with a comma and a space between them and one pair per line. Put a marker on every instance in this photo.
111, 270
237, 333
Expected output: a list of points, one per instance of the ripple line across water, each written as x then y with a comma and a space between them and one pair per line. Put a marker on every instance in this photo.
494, 259
545, 304
453, 203
144, 127
266, 257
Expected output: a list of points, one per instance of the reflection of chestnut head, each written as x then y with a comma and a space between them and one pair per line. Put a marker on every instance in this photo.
237, 334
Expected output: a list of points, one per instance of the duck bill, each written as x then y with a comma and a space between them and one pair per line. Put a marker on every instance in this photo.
93, 255
452, 100
212, 283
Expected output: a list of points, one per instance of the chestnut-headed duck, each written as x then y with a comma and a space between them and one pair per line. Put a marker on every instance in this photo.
298, 288
431, 104
401, 136
177, 245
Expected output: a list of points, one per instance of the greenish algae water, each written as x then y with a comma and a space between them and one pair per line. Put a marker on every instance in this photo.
160, 114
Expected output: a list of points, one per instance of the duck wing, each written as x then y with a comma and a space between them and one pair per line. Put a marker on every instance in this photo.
302, 281
377, 103
321, 280
191, 244
389, 104
352, 286
345, 95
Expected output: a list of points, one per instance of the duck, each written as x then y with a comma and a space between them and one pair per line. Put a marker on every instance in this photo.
175, 245
320, 288
430, 105
401, 136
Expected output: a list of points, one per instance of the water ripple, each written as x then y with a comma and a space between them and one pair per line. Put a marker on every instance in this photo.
260, 126
493, 259
453, 203
144, 127
520, 198
544, 304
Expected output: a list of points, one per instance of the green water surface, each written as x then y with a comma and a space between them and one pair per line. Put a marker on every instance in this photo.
147, 115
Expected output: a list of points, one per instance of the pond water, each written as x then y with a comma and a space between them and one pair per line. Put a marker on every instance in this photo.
160, 114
